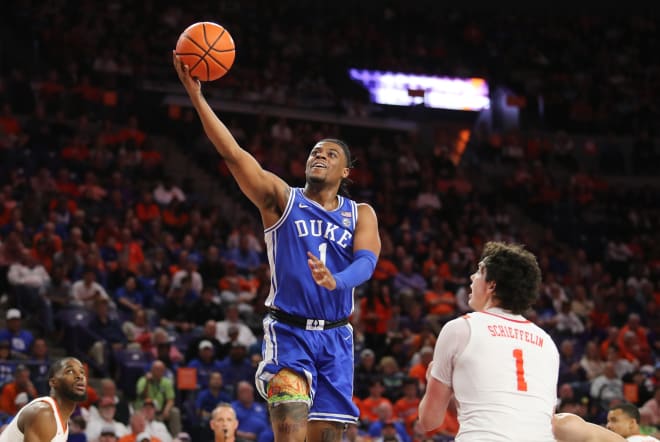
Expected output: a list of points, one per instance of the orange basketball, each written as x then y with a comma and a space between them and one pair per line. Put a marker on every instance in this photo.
208, 50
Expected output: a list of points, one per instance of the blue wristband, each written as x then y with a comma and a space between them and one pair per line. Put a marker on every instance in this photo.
359, 271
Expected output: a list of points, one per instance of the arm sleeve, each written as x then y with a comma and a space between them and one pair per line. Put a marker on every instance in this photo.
453, 338
359, 271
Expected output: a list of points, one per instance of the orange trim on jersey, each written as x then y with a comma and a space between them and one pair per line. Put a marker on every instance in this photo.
466, 316
59, 415
507, 319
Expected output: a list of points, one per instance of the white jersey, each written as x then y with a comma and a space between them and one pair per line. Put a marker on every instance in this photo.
641, 438
503, 370
13, 434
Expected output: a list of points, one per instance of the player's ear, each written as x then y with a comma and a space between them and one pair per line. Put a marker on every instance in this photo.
345, 172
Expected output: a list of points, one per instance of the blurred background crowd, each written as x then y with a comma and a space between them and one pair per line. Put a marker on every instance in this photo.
125, 242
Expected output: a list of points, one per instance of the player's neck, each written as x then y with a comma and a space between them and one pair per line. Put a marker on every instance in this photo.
65, 407
323, 195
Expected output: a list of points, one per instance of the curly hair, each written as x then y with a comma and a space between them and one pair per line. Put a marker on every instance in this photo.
516, 274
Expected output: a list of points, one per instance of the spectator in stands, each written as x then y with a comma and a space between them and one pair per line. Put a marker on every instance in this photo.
211, 268
408, 282
138, 331
104, 419
130, 297
166, 191
146, 209
369, 405
153, 425
392, 377
208, 334
29, 281
232, 320
418, 370
210, 397
570, 369
652, 407
365, 372
205, 363
154, 385
39, 365
440, 303
190, 272
387, 425
7, 363
122, 408
86, 291
237, 365
175, 313
206, 308
20, 339
58, 292
591, 362
246, 259
108, 330
252, 416
406, 407
163, 349
138, 425
606, 387
21, 384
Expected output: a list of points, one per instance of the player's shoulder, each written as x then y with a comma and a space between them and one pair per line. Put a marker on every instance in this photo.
39, 410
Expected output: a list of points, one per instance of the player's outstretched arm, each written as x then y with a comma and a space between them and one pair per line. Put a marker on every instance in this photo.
38, 423
569, 427
263, 188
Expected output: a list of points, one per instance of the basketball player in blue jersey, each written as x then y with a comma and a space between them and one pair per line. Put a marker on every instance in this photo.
320, 246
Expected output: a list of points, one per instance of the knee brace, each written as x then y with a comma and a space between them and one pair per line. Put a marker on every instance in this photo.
288, 386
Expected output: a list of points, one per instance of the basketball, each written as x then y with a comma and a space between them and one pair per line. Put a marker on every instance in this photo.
208, 50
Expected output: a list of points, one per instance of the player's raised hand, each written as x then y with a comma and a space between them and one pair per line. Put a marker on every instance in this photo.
192, 85
320, 272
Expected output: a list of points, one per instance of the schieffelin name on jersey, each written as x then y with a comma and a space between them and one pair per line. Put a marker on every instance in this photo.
329, 231
515, 333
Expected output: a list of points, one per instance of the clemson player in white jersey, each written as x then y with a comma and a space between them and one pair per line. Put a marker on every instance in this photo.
501, 368
45, 419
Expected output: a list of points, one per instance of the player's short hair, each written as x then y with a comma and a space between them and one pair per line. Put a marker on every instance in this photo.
344, 147
629, 409
57, 366
345, 182
516, 274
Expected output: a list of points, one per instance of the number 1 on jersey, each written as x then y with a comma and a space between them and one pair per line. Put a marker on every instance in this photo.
520, 370
323, 248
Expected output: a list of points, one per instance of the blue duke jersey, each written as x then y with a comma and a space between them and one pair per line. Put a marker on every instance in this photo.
306, 226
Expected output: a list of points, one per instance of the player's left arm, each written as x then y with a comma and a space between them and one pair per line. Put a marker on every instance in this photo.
366, 248
433, 406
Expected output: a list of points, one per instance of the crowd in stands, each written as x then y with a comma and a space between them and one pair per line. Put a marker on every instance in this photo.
161, 294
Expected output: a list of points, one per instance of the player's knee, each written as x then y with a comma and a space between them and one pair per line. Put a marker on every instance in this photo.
288, 386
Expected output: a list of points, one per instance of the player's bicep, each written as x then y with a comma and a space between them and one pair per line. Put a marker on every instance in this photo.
38, 425
265, 189
366, 236
433, 406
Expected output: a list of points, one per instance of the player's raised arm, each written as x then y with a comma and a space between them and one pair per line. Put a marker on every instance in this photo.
264, 189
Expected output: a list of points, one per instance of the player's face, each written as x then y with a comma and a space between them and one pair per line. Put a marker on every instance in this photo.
71, 381
480, 293
326, 163
620, 423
